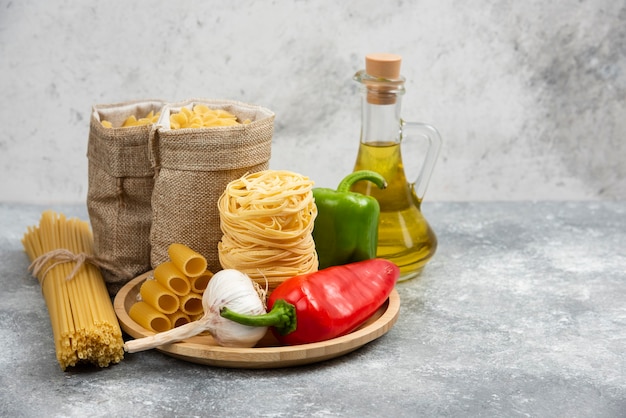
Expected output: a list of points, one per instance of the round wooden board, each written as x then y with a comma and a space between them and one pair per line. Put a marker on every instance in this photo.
268, 354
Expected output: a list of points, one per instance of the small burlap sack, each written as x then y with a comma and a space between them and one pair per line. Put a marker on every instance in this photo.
121, 179
193, 167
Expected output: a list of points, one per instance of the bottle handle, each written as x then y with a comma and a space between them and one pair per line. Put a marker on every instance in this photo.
413, 129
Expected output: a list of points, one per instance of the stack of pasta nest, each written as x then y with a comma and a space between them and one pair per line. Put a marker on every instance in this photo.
267, 220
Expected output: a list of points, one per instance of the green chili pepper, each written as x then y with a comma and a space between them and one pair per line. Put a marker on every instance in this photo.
346, 226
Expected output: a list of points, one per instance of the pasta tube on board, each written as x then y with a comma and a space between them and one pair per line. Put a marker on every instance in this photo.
188, 261
172, 278
153, 293
149, 317
191, 304
178, 318
199, 283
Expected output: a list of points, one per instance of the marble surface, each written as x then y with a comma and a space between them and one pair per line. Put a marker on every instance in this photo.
520, 313
528, 96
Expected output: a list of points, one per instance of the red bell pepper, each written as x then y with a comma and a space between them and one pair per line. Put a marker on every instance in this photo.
325, 304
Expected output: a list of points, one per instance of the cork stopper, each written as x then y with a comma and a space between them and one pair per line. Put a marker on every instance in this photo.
383, 65
382, 78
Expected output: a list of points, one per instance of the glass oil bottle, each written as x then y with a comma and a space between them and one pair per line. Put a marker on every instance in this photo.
404, 235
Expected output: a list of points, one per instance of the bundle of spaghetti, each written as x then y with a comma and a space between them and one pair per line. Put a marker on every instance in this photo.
267, 221
84, 325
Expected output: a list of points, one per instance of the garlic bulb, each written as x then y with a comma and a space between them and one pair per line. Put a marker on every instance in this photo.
227, 288
237, 292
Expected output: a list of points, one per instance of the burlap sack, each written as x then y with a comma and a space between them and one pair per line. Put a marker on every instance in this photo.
193, 167
121, 179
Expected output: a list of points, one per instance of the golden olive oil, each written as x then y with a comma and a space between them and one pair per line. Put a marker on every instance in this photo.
404, 235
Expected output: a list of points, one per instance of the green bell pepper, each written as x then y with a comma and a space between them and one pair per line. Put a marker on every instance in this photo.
346, 226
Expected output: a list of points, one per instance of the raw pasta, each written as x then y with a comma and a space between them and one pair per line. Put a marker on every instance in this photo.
191, 304
149, 119
83, 320
196, 317
171, 294
149, 317
172, 278
267, 220
201, 116
178, 318
199, 283
188, 261
159, 297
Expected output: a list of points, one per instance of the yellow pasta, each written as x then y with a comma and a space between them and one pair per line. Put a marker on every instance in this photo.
150, 119
84, 325
199, 283
188, 261
191, 304
179, 318
153, 293
196, 317
201, 116
171, 293
149, 317
168, 275
267, 222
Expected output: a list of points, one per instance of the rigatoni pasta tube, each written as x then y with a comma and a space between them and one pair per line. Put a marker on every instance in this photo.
179, 318
153, 293
191, 304
172, 278
148, 317
199, 283
196, 317
188, 261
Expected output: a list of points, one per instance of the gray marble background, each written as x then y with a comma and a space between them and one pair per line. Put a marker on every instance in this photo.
529, 97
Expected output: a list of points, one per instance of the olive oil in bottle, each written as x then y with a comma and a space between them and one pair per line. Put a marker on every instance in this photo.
404, 235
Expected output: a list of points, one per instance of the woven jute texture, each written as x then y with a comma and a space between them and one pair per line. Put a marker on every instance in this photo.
193, 167
121, 181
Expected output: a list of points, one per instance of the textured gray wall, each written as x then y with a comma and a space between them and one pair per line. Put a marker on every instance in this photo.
528, 96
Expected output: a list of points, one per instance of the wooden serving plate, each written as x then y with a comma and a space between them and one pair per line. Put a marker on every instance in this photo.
267, 354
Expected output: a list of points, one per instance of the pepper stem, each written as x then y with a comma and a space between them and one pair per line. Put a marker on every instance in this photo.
350, 179
282, 317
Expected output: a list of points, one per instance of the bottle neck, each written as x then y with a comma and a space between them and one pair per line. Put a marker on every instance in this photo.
380, 109
380, 123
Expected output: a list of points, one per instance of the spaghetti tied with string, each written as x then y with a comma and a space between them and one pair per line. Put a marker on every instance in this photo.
267, 221
84, 324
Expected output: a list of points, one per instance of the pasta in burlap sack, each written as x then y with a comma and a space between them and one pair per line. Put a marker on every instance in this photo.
121, 179
193, 167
